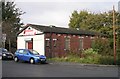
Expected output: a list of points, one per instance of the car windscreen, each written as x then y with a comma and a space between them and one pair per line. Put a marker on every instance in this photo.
34, 52
3, 50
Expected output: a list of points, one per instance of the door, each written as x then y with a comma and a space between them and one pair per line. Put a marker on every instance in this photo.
26, 55
20, 55
29, 44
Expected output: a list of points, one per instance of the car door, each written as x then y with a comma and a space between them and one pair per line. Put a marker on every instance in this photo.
20, 54
26, 56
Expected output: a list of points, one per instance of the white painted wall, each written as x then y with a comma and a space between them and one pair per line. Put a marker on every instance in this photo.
38, 43
20, 42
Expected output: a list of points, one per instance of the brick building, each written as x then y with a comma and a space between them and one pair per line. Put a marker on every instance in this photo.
54, 41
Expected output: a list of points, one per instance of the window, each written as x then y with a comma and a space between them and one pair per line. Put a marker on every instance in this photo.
92, 42
59, 34
55, 42
29, 28
67, 43
47, 42
21, 51
34, 52
81, 44
3, 50
25, 52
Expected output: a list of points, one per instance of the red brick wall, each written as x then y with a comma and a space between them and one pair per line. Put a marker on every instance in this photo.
59, 50
87, 42
74, 43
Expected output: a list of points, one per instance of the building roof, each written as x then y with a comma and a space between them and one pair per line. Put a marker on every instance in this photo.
59, 30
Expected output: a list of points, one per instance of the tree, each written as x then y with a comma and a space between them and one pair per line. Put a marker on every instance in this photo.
10, 22
77, 18
99, 22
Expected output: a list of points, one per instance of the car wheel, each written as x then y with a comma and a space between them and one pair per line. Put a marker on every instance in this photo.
16, 59
32, 61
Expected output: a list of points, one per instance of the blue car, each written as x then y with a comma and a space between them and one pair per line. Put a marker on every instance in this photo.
31, 56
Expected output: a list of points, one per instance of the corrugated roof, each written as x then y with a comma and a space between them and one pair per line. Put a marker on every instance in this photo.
59, 30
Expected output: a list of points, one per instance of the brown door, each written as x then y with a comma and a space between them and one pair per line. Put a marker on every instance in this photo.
30, 45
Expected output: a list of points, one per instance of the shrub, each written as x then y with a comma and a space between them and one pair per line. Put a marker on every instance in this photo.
118, 56
90, 57
89, 52
107, 60
102, 46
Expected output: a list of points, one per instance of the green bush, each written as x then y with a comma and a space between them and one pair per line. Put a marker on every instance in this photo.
89, 52
118, 56
107, 60
102, 46
90, 57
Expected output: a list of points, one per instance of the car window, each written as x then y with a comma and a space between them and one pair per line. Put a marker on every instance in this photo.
21, 51
3, 50
25, 52
17, 50
34, 52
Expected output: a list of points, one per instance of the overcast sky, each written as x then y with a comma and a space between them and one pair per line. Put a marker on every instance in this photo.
58, 12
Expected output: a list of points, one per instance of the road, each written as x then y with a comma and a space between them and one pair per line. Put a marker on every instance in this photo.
24, 69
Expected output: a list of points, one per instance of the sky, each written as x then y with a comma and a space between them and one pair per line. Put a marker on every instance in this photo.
58, 12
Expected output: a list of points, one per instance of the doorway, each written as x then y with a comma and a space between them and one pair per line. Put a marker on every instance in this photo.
29, 44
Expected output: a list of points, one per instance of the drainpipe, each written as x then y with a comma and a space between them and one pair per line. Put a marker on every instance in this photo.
51, 55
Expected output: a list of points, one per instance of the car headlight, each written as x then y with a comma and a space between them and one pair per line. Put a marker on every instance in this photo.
4, 54
45, 57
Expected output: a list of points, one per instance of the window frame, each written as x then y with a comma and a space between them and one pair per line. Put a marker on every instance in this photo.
54, 42
67, 43
81, 44
47, 42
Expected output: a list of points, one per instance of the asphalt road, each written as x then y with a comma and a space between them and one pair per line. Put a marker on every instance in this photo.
24, 69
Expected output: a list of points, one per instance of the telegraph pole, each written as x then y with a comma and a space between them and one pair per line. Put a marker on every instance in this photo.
114, 35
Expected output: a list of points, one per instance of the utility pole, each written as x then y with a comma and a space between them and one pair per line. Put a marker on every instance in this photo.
114, 35
1, 25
